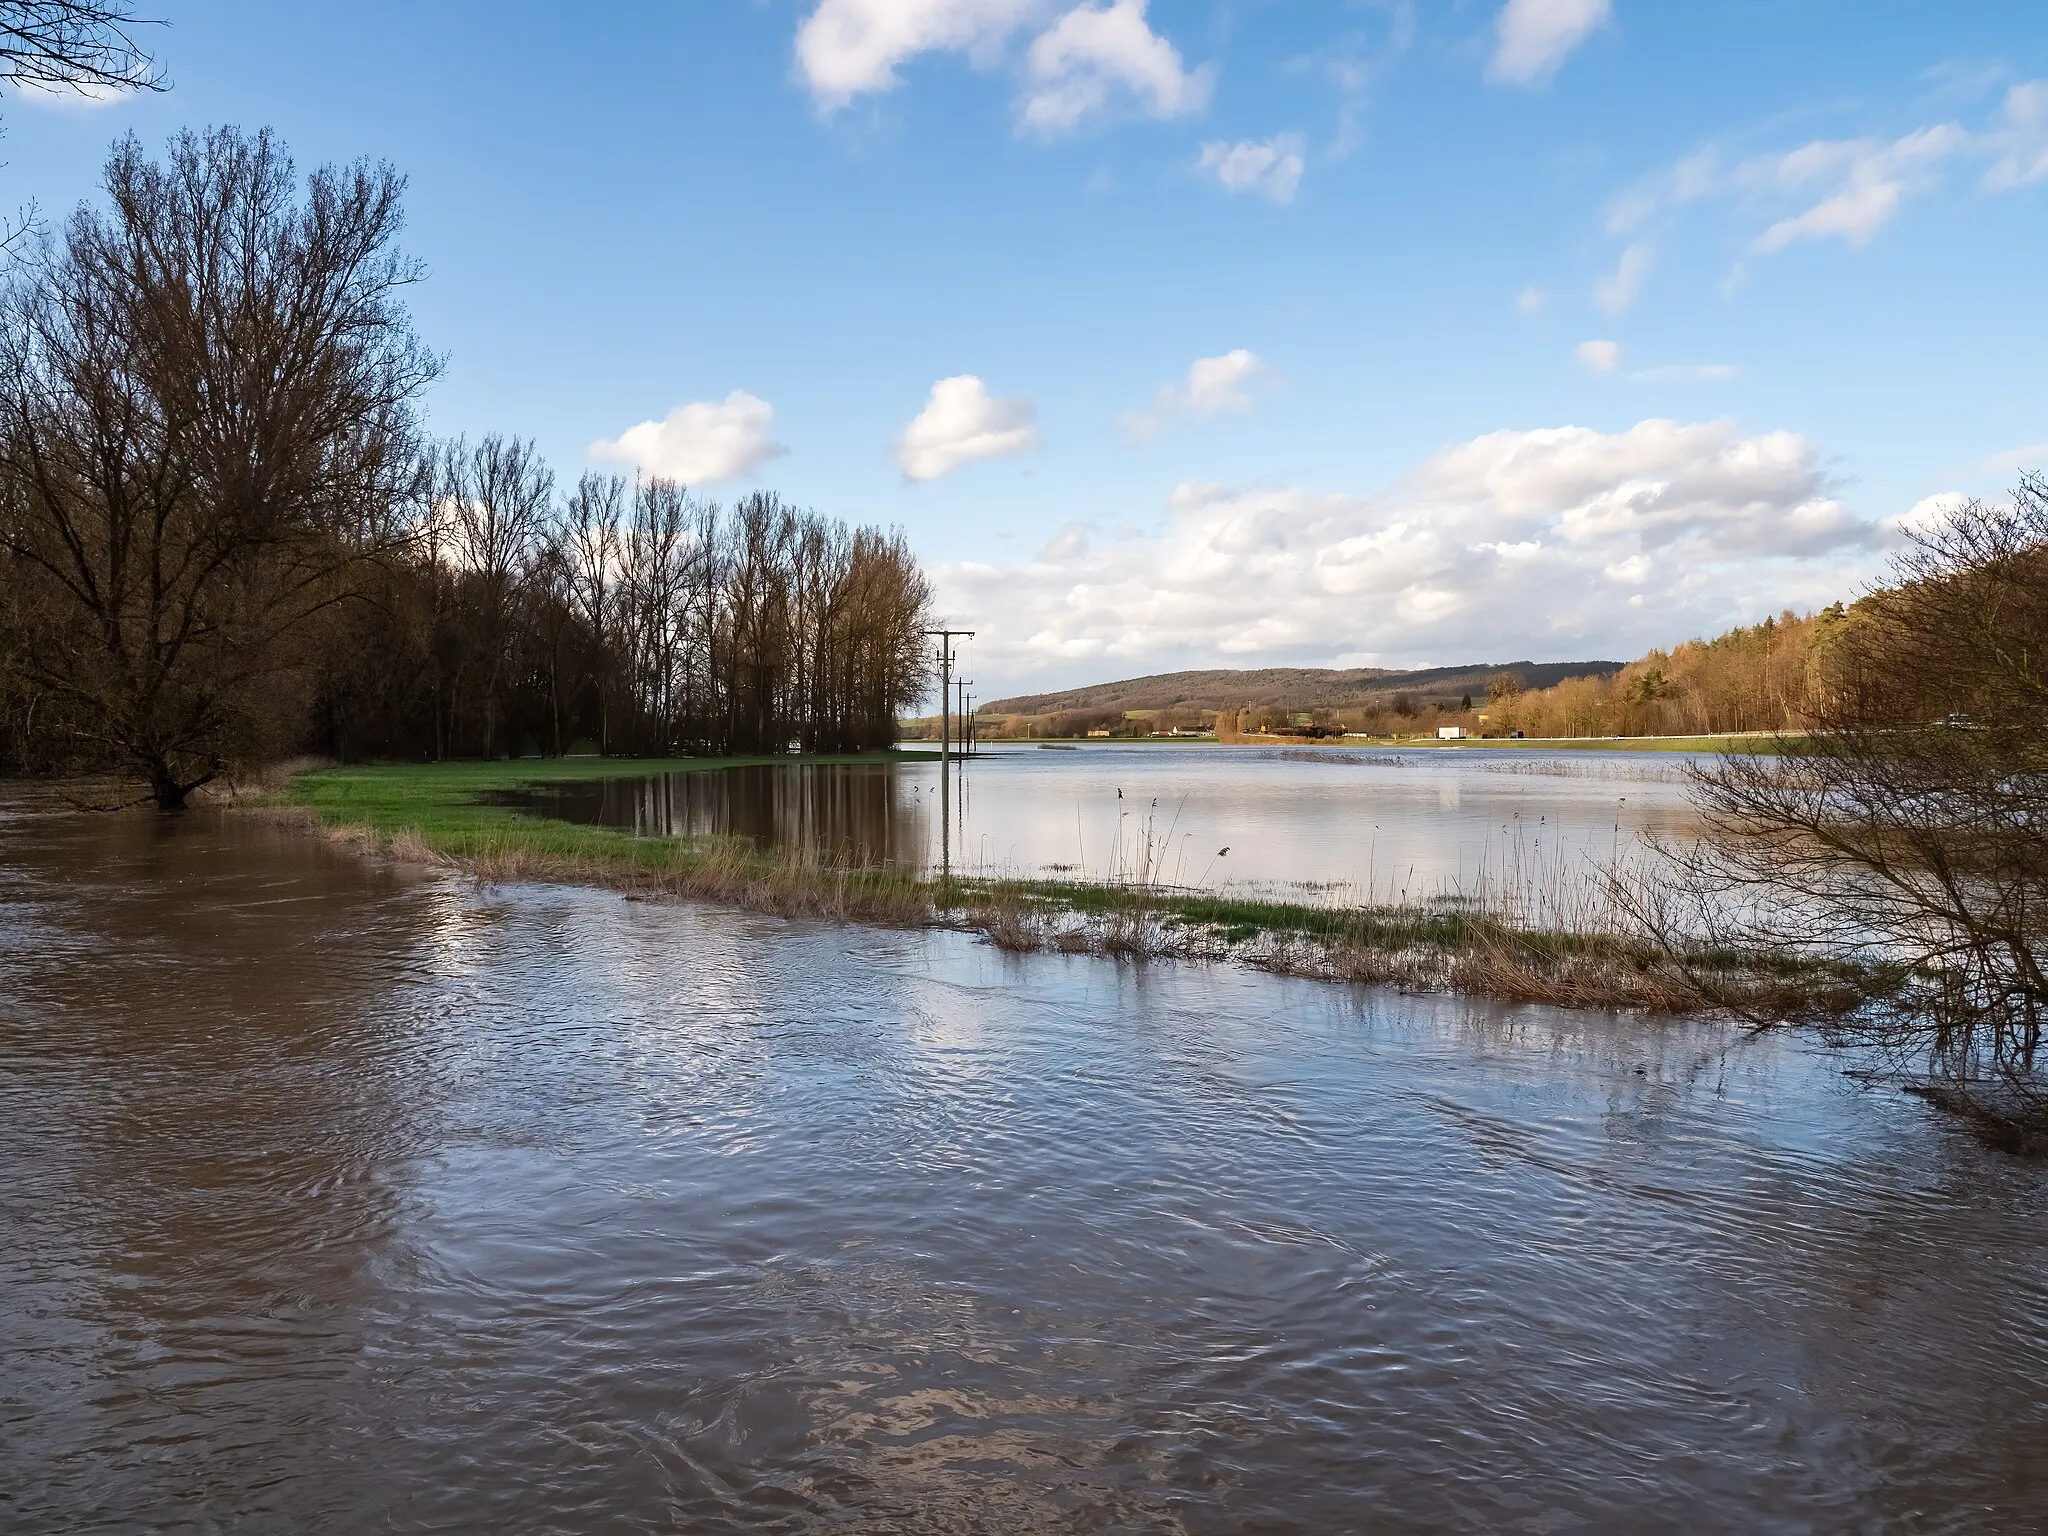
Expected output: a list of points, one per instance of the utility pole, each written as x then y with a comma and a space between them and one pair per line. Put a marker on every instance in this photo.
966, 715
946, 638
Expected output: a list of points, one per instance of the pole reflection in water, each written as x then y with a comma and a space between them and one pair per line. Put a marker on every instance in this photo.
1340, 825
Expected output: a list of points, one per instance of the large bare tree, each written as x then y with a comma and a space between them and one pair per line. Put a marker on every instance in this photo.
206, 418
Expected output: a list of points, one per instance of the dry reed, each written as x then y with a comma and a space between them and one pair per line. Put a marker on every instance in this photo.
1532, 928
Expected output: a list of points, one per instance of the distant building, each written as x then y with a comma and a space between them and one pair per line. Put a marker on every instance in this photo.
1450, 733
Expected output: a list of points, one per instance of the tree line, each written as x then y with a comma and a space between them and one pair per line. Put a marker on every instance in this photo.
1770, 676
225, 535
626, 616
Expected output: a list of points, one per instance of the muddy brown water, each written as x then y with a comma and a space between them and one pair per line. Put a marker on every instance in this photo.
339, 1197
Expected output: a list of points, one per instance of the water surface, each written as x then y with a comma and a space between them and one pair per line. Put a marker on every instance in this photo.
1357, 823
334, 1197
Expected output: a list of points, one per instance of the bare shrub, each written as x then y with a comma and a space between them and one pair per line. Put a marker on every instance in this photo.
1906, 836
1012, 922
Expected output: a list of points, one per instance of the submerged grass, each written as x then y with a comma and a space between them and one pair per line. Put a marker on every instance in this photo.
1501, 941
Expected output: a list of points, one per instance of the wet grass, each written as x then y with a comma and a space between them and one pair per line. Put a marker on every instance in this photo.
1577, 952
1470, 947
442, 804
436, 813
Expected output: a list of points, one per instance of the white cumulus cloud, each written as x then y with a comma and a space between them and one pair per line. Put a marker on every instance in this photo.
961, 421
1094, 55
1598, 356
1533, 37
1270, 167
1511, 544
1082, 60
846, 48
698, 443
1213, 385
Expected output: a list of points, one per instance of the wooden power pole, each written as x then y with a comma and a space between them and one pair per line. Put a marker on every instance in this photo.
946, 637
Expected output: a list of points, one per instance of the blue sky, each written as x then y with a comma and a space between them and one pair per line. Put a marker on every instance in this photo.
1199, 333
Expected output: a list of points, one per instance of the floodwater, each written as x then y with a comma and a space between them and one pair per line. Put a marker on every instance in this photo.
335, 1196
1362, 823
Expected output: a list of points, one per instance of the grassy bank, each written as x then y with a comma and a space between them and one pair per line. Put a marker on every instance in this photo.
436, 813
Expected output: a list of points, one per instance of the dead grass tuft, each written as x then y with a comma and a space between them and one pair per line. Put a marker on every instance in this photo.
1012, 922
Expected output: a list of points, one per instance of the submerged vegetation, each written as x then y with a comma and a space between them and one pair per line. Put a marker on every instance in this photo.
1532, 935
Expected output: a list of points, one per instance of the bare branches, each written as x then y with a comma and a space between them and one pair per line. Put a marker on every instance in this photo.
1907, 833
78, 45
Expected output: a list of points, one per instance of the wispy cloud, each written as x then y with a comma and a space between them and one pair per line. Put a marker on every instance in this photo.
1272, 168
2010, 461
1599, 356
1212, 387
1841, 189
1533, 37
1617, 291
1694, 373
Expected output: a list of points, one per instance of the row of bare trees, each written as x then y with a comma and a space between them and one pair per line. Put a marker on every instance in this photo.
224, 535
625, 616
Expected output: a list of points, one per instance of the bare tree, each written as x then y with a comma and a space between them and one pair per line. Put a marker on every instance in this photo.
590, 537
1906, 835
205, 420
496, 497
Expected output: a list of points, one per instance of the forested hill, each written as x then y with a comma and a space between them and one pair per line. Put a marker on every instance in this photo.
1292, 687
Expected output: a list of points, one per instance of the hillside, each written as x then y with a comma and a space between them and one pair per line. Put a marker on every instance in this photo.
1291, 687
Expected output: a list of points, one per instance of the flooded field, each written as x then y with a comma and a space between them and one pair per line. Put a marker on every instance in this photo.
1362, 823
342, 1197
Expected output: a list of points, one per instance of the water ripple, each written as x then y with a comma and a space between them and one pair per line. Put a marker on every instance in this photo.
342, 1198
